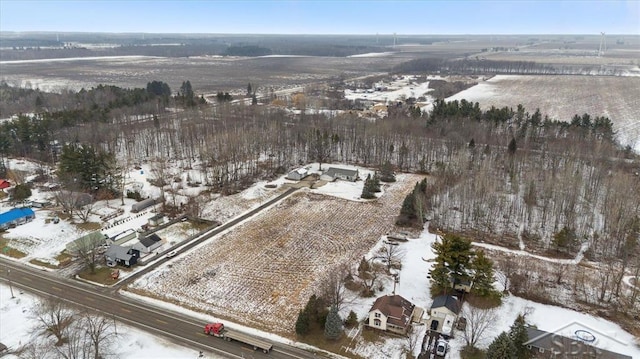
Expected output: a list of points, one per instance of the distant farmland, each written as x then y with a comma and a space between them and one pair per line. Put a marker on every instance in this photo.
561, 97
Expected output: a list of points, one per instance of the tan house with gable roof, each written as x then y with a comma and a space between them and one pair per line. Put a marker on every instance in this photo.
393, 313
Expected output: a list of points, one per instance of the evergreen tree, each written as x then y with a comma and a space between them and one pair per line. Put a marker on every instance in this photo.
409, 206
352, 319
386, 173
302, 323
375, 183
333, 324
518, 336
513, 146
501, 348
249, 92
21, 192
453, 261
483, 276
367, 189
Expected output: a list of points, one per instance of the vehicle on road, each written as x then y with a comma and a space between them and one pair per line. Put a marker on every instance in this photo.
220, 331
171, 254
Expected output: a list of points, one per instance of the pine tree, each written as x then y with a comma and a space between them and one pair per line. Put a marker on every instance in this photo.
302, 323
513, 146
386, 173
518, 335
333, 324
501, 348
367, 192
483, 277
453, 261
375, 183
352, 319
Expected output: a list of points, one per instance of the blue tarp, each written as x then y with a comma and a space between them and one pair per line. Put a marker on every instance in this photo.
14, 214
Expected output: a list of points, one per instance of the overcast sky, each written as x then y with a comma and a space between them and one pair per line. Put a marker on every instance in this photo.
323, 17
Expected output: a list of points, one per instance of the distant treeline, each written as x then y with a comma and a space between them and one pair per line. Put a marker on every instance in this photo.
483, 67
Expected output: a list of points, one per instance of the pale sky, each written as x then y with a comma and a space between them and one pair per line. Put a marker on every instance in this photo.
323, 17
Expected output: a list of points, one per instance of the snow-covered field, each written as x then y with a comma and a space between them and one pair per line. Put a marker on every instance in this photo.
562, 97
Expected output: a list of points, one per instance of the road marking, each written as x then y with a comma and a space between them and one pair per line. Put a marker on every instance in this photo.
56, 288
161, 321
125, 310
27, 279
202, 334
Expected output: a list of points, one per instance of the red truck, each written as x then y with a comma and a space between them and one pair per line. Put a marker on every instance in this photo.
219, 330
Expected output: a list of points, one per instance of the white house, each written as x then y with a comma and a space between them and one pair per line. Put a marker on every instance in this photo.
392, 313
443, 314
334, 173
149, 243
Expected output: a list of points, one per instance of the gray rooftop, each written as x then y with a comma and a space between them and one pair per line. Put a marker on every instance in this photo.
554, 342
447, 301
332, 171
118, 252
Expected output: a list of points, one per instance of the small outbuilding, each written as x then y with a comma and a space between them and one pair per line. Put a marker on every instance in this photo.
334, 173
15, 217
156, 220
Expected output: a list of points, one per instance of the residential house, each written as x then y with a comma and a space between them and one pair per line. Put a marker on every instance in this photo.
4, 184
393, 313
149, 243
15, 217
125, 256
87, 242
443, 314
550, 345
298, 174
462, 285
334, 173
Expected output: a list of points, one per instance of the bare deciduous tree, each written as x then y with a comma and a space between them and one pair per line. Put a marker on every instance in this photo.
84, 212
414, 338
478, 321
55, 317
333, 289
391, 254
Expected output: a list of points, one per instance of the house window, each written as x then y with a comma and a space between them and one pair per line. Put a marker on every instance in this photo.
377, 315
377, 322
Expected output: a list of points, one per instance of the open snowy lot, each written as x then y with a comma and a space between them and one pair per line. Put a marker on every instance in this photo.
562, 97
264, 271
17, 329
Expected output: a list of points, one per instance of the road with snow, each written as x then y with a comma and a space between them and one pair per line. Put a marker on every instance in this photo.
175, 326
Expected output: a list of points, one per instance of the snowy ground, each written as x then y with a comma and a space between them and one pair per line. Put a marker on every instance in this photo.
16, 329
397, 90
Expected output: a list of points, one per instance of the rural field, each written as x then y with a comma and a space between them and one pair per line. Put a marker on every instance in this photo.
263, 272
562, 97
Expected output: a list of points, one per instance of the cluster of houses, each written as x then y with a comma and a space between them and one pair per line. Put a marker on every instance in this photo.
395, 314
125, 248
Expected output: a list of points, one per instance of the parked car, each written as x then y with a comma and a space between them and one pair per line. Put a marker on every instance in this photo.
441, 347
171, 254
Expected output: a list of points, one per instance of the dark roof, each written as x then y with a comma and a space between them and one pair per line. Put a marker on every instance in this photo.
447, 301
14, 214
118, 252
397, 309
332, 171
550, 341
157, 217
150, 240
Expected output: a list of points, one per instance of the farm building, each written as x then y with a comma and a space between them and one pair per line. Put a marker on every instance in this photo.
87, 242
125, 256
137, 207
444, 312
393, 313
334, 173
149, 243
298, 174
15, 217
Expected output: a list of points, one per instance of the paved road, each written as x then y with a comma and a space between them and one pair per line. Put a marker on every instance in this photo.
176, 327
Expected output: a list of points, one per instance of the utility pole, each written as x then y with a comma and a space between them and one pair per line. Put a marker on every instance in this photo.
9, 277
115, 328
